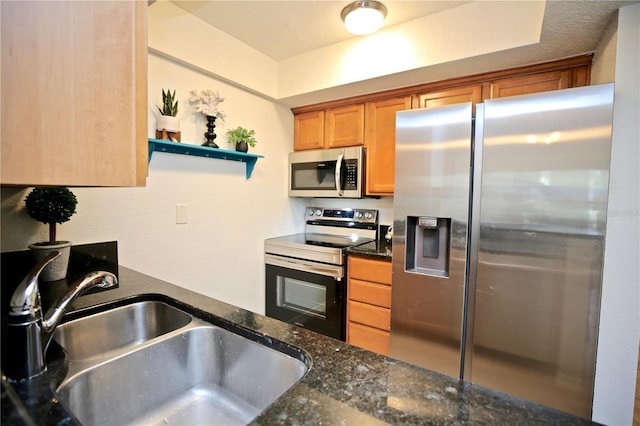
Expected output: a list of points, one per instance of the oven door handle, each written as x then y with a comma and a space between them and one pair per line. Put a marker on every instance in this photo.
335, 272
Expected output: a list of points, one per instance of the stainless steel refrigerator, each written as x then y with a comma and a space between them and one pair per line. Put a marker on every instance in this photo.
498, 247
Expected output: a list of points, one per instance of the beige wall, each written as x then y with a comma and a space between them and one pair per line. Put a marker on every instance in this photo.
603, 68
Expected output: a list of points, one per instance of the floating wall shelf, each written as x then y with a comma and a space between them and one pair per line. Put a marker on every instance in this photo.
203, 151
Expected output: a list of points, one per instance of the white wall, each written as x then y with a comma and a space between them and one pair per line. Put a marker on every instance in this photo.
619, 333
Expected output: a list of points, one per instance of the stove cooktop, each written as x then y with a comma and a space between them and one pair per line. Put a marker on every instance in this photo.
316, 247
328, 233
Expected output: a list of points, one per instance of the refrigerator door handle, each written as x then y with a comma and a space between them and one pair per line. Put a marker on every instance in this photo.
475, 194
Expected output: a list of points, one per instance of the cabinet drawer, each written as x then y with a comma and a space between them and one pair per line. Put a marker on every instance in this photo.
368, 338
370, 270
372, 293
373, 316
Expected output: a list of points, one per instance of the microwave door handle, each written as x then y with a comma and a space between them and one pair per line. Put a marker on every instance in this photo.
338, 175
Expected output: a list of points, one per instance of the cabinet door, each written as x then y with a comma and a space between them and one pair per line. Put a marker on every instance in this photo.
308, 131
457, 95
534, 83
344, 126
380, 140
74, 93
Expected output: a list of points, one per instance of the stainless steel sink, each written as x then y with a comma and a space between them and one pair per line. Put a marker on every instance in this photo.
197, 374
99, 334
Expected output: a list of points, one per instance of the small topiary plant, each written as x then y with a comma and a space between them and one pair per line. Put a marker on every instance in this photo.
51, 205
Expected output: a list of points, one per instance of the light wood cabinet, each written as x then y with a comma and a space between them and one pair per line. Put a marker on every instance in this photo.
455, 95
331, 128
369, 303
534, 83
308, 131
380, 141
344, 126
74, 93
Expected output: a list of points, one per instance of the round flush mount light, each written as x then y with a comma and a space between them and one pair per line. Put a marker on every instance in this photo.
363, 17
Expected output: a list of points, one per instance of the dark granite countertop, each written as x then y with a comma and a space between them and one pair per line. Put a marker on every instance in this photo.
380, 249
344, 385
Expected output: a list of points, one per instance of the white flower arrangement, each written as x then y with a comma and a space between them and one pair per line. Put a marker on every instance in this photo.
207, 102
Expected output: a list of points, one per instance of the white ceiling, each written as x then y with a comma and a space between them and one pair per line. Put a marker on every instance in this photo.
282, 29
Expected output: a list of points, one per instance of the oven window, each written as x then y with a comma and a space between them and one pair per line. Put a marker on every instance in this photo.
313, 176
302, 296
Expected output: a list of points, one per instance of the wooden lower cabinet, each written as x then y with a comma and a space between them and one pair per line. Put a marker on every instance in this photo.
369, 338
369, 303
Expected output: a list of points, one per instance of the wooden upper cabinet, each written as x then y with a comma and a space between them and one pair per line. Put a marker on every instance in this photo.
74, 93
455, 95
534, 83
380, 141
329, 128
308, 131
344, 126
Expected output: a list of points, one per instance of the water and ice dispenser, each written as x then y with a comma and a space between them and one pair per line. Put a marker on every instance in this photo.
427, 245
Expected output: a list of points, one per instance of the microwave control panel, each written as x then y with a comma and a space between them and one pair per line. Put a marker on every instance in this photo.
351, 173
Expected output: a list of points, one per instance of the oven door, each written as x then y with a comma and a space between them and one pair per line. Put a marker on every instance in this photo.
307, 294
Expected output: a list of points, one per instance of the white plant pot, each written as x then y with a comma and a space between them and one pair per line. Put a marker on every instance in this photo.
168, 123
57, 269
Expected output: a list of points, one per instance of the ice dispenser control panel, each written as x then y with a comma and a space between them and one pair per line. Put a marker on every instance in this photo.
427, 246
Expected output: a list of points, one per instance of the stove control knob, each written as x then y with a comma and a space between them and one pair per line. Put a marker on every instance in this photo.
318, 212
310, 212
358, 215
368, 215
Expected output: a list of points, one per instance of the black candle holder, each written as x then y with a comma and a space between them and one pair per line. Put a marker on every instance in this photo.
210, 133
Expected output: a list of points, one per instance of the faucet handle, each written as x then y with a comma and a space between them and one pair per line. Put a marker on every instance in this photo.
26, 298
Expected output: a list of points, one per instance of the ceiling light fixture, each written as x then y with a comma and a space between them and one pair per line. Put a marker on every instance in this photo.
363, 17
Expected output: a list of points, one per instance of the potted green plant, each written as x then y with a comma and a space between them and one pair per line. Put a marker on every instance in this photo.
242, 138
51, 205
168, 126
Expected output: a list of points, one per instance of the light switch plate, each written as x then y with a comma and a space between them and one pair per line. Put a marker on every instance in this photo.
181, 214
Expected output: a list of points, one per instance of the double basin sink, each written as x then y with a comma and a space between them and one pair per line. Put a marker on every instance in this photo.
151, 363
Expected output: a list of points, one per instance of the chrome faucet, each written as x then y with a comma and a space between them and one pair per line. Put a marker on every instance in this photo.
31, 331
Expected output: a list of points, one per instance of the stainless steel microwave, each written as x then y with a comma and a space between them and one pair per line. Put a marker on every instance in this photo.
327, 173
